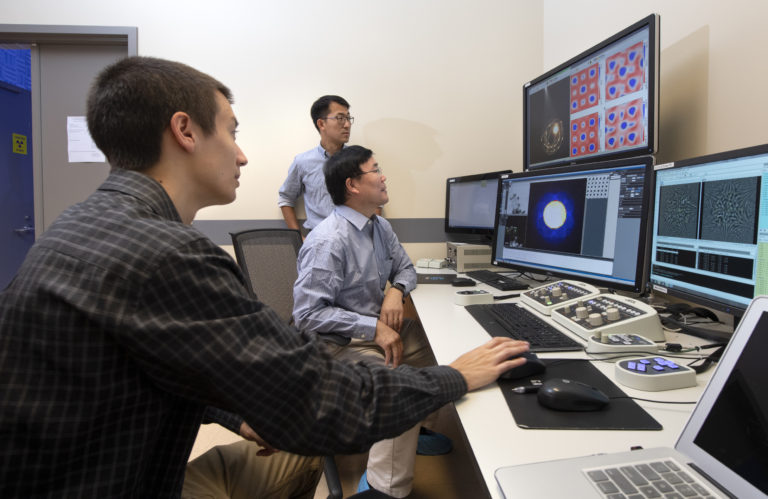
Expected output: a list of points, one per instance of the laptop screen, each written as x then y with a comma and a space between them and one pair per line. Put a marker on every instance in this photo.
727, 436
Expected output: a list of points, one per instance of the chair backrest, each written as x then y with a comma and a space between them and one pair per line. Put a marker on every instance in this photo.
268, 259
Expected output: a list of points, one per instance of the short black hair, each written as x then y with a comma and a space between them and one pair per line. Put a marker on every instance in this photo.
322, 105
131, 102
341, 166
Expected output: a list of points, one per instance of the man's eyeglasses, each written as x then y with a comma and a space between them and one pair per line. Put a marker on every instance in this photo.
378, 171
341, 118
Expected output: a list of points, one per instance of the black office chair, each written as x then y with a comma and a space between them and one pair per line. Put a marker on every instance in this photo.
268, 260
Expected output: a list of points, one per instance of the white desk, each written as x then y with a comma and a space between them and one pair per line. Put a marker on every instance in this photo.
495, 439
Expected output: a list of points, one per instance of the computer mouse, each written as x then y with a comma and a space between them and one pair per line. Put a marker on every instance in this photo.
533, 365
463, 282
569, 395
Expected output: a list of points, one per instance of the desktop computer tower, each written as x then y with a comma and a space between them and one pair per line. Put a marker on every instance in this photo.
463, 257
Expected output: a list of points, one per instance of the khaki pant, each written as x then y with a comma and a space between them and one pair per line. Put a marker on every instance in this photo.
234, 471
391, 461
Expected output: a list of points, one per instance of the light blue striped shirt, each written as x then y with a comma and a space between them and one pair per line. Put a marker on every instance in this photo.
305, 177
343, 274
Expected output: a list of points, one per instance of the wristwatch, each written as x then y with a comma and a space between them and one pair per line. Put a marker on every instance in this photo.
401, 287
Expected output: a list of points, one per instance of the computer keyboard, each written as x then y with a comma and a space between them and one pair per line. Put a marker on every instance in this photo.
498, 281
512, 321
648, 479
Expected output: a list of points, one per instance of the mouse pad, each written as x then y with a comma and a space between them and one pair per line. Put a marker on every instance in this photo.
435, 278
619, 414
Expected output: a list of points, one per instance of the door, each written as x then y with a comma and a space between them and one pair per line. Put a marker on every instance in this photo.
66, 73
64, 61
16, 191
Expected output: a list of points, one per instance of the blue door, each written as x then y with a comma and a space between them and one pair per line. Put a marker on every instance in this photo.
17, 232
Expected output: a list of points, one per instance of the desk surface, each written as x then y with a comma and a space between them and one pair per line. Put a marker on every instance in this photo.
495, 439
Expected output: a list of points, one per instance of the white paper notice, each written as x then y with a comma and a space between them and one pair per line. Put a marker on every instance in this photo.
80, 145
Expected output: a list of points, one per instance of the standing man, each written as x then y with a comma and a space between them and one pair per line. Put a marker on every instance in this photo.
330, 115
344, 266
124, 322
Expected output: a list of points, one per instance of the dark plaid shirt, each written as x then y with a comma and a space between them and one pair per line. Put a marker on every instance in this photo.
123, 324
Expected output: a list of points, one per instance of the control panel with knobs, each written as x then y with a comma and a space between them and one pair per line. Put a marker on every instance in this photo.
546, 298
609, 314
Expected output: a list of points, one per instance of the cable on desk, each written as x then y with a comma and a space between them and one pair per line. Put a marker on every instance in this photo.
654, 401
708, 334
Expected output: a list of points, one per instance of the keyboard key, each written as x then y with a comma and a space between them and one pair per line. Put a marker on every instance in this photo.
648, 472
672, 478
633, 475
660, 467
672, 465
701, 490
607, 487
649, 491
597, 476
686, 477
621, 481
686, 490
664, 487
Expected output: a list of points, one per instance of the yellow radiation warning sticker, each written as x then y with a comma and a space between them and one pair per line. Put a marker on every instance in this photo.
19, 143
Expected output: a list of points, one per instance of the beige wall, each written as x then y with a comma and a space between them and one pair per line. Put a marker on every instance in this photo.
435, 85
713, 69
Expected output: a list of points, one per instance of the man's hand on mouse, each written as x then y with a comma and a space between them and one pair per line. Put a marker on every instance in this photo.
485, 363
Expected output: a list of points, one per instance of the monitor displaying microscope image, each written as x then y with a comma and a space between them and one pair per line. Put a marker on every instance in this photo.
587, 222
710, 229
599, 105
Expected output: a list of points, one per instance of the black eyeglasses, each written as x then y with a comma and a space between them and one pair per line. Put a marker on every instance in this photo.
341, 118
376, 170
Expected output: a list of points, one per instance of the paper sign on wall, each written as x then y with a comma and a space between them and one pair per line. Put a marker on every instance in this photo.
80, 145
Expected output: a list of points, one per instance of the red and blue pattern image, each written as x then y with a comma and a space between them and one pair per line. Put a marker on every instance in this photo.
584, 135
585, 91
624, 125
625, 72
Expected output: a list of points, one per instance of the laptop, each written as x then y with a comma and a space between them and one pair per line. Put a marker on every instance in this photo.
722, 451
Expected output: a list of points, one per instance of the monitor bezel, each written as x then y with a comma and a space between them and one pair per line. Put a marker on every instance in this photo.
653, 22
449, 229
641, 270
734, 309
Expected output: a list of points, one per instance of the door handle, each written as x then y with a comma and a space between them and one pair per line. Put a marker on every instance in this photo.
24, 230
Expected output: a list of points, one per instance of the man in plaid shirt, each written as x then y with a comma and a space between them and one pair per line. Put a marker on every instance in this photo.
124, 322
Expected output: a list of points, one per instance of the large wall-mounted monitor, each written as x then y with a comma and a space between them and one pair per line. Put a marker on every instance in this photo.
710, 229
586, 222
602, 104
470, 206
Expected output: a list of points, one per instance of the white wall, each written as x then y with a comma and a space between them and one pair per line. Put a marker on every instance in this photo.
713, 70
434, 84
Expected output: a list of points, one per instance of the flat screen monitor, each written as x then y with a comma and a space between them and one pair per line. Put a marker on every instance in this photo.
709, 240
470, 206
602, 104
586, 222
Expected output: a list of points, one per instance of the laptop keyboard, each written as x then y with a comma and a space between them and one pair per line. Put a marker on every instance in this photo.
498, 281
663, 479
511, 321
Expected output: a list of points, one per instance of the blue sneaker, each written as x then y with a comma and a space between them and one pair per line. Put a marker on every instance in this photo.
432, 443
363, 485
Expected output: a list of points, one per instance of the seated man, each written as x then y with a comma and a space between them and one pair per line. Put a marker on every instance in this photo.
124, 322
344, 266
